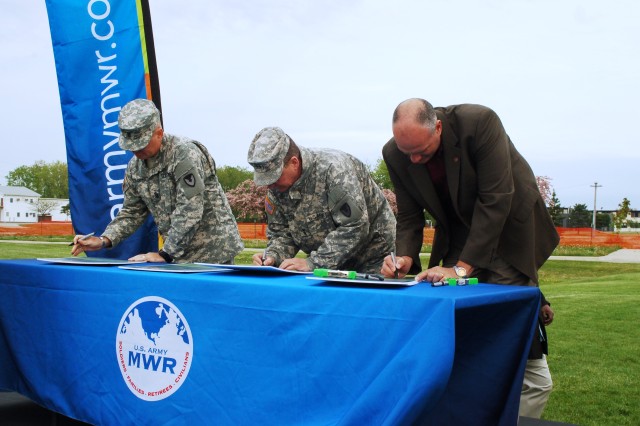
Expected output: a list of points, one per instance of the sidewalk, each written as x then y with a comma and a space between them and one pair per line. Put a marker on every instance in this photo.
620, 256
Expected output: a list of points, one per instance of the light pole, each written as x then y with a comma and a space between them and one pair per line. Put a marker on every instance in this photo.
595, 187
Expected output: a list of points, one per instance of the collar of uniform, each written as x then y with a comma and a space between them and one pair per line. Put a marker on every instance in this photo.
308, 163
155, 163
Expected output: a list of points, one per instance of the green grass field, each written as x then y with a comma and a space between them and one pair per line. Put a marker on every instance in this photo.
594, 340
21, 250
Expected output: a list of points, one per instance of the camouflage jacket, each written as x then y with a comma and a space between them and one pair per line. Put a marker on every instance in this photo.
180, 189
335, 213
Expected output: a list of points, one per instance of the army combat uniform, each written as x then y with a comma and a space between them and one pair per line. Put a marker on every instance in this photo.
180, 189
334, 212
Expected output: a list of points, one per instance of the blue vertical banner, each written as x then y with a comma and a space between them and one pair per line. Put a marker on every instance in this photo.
104, 58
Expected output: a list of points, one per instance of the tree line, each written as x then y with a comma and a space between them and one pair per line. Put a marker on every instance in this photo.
50, 180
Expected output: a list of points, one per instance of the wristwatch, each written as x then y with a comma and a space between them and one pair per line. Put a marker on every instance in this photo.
166, 256
460, 271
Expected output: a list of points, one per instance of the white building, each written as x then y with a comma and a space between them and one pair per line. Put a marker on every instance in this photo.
56, 208
18, 204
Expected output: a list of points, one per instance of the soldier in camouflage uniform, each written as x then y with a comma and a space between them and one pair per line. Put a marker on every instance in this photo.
320, 201
173, 179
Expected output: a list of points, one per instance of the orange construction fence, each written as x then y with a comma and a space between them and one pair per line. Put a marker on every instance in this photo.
589, 237
252, 231
580, 237
41, 228
568, 236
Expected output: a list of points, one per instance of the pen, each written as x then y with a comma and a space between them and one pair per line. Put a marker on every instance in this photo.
393, 259
370, 276
84, 237
264, 256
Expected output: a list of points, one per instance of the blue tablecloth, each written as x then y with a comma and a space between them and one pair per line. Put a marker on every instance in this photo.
264, 349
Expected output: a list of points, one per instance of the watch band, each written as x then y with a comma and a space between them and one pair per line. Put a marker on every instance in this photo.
460, 271
166, 256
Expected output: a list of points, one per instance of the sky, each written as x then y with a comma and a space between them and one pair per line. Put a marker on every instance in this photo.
564, 77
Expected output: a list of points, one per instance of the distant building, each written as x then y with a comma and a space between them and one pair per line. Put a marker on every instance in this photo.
633, 219
20, 204
56, 211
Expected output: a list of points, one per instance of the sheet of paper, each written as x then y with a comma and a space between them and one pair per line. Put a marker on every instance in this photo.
255, 269
180, 268
402, 282
92, 261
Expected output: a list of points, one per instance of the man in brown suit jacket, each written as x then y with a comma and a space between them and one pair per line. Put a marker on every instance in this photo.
459, 164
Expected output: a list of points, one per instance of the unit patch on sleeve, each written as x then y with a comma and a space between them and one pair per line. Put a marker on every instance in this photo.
346, 210
190, 180
269, 207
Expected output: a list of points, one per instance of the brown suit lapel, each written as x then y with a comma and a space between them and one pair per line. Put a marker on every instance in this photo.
423, 183
452, 158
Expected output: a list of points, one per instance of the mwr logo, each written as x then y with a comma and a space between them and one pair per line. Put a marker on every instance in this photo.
154, 348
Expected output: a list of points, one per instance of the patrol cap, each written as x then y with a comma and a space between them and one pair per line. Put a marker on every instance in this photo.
266, 155
137, 121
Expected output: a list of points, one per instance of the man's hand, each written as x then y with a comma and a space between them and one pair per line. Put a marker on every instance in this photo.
437, 274
90, 244
257, 260
547, 314
295, 264
403, 264
147, 257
